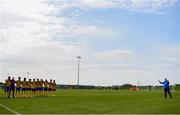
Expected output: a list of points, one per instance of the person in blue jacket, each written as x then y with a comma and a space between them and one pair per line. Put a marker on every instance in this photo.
166, 87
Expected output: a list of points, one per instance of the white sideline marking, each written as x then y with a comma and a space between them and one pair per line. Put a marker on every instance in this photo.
7, 108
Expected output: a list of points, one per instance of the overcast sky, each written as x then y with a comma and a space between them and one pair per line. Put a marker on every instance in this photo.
120, 41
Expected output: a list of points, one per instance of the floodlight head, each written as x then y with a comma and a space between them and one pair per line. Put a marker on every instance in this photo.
79, 57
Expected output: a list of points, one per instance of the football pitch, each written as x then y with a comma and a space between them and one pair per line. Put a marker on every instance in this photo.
93, 102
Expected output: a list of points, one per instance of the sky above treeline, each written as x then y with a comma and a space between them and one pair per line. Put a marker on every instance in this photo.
120, 41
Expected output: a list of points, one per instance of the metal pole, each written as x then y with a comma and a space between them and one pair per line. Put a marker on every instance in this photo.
78, 57
78, 73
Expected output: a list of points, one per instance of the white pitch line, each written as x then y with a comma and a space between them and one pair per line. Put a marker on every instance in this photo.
7, 108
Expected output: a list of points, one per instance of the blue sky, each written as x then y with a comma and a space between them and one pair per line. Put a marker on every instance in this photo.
120, 41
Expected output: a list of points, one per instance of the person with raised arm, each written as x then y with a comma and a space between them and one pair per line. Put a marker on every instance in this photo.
166, 87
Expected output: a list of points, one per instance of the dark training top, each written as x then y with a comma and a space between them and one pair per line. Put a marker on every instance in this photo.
165, 84
13, 83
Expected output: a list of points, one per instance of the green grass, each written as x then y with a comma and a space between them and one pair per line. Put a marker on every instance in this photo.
4, 111
95, 102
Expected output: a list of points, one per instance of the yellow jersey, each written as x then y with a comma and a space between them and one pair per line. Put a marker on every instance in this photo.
33, 84
46, 84
24, 84
8, 83
18, 84
29, 84
41, 84
50, 85
53, 85
37, 84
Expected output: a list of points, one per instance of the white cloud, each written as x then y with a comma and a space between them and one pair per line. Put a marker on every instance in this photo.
32, 9
172, 51
149, 6
145, 6
91, 32
116, 55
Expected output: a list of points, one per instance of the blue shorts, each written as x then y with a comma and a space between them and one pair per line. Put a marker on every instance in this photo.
6, 89
40, 89
24, 89
18, 89
33, 89
45, 89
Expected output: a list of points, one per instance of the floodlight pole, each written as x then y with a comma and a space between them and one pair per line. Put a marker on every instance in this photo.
78, 57
138, 83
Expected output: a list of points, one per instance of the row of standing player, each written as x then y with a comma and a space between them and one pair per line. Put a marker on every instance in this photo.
18, 88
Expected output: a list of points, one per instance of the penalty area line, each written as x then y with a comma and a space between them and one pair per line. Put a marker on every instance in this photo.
7, 108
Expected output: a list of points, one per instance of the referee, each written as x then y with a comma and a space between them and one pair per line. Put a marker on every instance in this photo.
166, 88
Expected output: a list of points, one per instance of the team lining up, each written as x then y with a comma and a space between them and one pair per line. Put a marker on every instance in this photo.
36, 87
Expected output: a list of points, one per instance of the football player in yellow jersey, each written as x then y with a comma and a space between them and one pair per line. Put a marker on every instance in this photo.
7, 86
29, 88
50, 87
24, 89
46, 86
53, 88
18, 87
37, 87
41, 83
33, 87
